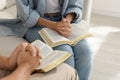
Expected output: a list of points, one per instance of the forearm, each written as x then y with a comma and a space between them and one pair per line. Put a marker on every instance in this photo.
46, 23
53, 24
70, 17
3, 62
21, 73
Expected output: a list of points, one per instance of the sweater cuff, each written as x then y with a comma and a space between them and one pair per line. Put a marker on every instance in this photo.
32, 19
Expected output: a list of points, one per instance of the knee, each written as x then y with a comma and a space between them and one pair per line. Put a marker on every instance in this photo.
83, 47
67, 48
64, 47
83, 51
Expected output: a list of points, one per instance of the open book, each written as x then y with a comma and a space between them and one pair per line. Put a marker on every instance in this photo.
53, 38
50, 58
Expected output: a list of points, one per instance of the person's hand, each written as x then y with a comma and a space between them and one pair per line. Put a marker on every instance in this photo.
12, 60
63, 27
66, 25
65, 20
29, 57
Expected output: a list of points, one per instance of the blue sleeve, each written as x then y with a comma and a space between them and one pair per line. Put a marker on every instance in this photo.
76, 7
26, 13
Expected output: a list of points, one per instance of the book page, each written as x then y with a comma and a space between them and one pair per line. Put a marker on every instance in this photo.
78, 29
54, 59
44, 48
54, 36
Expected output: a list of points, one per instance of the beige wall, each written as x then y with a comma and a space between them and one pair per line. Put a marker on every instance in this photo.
106, 7
2, 4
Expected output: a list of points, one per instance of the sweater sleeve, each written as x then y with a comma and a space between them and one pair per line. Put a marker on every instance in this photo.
26, 13
75, 6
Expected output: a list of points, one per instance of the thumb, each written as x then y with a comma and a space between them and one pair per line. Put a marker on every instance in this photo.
63, 20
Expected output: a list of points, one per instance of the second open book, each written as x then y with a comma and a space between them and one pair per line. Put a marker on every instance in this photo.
53, 38
50, 58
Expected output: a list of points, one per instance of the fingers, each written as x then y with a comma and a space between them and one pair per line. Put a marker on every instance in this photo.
38, 52
34, 51
23, 47
29, 55
31, 49
65, 29
12, 60
65, 20
64, 26
65, 34
19, 48
25, 58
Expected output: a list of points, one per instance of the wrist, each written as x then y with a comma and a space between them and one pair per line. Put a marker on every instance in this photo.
52, 25
46, 23
5, 65
70, 17
11, 65
26, 68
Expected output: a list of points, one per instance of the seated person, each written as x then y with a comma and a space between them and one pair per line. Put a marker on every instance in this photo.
23, 61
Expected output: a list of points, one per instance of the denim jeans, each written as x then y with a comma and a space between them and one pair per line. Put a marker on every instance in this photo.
81, 58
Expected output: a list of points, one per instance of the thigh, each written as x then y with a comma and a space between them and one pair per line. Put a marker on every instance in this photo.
68, 48
62, 72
